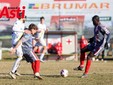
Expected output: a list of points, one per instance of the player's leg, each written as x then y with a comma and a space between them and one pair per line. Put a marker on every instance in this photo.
82, 58
95, 52
37, 69
36, 66
43, 53
59, 55
43, 43
16, 64
19, 54
35, 63
33, 67
103, 55
88, 63
97, 58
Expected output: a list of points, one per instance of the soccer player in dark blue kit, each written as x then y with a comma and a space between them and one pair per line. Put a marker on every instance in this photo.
96, 44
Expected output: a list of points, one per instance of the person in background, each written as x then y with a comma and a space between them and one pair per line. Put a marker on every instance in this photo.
17, 33
58, 48
101, 54
83, 44
40, 38
104, 53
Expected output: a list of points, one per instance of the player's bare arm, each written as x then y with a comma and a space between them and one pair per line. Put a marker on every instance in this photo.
13, 50
46, 30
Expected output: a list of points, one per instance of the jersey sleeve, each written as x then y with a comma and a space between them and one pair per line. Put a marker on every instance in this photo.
36, 35
25, 37
106, 33
104, 29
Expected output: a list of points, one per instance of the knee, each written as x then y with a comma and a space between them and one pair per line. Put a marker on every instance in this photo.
90, 56
20, 57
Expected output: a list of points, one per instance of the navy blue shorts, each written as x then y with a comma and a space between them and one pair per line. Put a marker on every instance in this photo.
30, 56
96, 48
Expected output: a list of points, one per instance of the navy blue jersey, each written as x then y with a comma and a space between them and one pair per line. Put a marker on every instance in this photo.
101, 36
100, 33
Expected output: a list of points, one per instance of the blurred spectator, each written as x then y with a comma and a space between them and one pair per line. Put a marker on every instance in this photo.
51, 49
58, 47
104, 53
83, 44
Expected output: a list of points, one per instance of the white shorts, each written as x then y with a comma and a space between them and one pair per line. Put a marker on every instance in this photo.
41, 43
19, 52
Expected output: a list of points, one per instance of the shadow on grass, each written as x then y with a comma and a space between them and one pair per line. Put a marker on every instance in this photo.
54, 76
5, 76
9, 58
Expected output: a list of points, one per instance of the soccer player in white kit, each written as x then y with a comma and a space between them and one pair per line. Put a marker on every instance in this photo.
40, 36
17, 32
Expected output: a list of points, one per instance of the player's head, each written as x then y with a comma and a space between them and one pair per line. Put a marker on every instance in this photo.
42, 19
95, 20
21, 17
33, 28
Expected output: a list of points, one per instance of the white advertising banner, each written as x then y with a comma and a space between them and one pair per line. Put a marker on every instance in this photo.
71, 15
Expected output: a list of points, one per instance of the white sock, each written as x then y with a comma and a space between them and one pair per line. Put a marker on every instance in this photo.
42, 56
16, 64
37, 74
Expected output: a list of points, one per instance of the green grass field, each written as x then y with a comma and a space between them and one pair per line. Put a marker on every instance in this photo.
101, 73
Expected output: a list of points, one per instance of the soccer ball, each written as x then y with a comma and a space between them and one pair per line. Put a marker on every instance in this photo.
64, 73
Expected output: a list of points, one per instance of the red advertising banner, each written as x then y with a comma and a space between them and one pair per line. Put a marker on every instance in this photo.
66, 22
9, 9
6, 22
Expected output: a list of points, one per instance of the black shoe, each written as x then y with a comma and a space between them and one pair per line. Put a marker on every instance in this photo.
79, 68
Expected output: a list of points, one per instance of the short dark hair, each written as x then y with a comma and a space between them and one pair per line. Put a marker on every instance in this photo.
20, 15
96, 17
42, 18
32, 26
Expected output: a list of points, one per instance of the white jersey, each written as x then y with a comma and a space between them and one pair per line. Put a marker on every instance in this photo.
17, 31
42, 28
